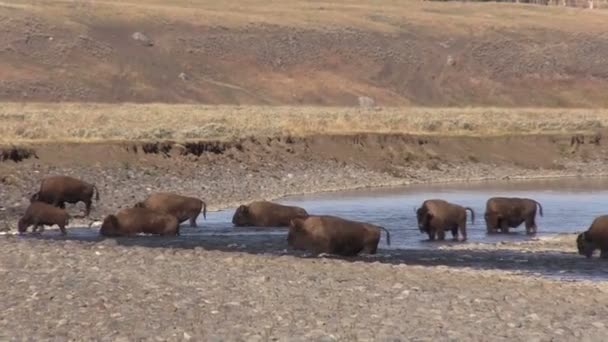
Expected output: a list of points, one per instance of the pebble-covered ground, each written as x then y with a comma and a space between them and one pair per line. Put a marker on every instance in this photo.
104, 290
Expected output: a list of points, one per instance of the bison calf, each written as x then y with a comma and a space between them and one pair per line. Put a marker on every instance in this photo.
132, 221
334, 235
182, 207
266, 214
596, 237
435, 216
39, 214
57, 190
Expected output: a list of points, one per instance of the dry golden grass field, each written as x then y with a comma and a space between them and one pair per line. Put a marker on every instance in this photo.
140, 122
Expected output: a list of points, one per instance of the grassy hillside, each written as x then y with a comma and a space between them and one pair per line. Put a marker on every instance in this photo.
292, 52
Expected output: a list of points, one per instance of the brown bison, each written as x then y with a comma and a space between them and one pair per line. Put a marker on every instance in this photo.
39, 214
435, 216
182, 207
334, 235
510, 212
266, 214
596, 237
57, 190
132, 221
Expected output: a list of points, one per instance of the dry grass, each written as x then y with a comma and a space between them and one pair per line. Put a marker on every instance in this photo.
37, 122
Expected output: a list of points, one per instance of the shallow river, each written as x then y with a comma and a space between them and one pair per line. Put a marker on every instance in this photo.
568, 206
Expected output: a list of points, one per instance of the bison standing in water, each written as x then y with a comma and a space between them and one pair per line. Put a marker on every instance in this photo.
334, 235
39, 214
57, 190
266, 214
510, 212
182, 207
596, 237
435, 216
132, 221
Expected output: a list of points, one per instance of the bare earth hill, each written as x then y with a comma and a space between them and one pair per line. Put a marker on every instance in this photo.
297, 52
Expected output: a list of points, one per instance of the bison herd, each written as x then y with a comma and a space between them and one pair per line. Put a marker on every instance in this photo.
162, 213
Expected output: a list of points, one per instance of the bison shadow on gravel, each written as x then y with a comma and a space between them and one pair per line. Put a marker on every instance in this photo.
560, 265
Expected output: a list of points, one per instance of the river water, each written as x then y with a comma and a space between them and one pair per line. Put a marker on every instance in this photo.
568, 206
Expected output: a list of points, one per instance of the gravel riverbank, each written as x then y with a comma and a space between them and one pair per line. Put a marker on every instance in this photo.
66, 290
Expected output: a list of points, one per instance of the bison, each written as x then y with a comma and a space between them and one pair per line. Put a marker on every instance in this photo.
39, 214
334, 235
266, 214
57, 190
435, 216
510, 212
596, 237
182, 207
132, 221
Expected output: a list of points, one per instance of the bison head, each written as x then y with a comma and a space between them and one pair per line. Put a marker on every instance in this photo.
139, 205
109, 227
241, 216
35, 197
297, 236
423, 217
585, 245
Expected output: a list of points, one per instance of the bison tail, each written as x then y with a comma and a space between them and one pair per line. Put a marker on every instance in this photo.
388, 236
540, 208
472, 215
204, 210
96, 193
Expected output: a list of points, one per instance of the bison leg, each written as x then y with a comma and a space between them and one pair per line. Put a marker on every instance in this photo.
38, 228
371, 247
463, 230
491, 224
431, 234
62, 228
455, 233
87, 209
604, 253
440, 234
193, 221
504, 226
530, 226
36, 225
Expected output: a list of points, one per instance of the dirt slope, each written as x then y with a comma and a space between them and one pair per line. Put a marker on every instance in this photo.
296, 52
